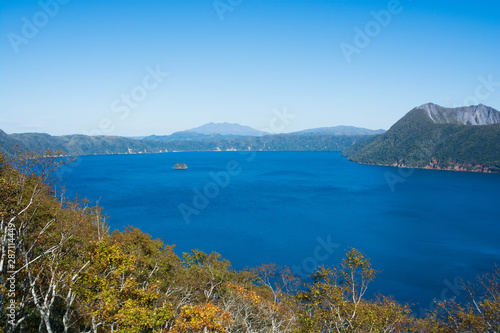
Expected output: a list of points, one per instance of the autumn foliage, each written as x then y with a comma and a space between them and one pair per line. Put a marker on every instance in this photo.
61, 270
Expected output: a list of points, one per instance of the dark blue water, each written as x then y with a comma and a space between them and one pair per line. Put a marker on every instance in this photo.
421, 228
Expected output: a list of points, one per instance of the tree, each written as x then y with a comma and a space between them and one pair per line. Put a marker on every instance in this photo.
334, 302
111, 297
32, 238
61, 271
206, 317
480, 314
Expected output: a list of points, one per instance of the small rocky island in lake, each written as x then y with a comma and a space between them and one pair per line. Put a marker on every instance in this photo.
180, 166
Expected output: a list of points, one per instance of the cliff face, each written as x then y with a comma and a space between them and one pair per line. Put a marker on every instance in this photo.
459, 167
467, 115
433, 137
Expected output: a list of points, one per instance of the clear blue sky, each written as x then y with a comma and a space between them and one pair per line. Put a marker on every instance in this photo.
72, 73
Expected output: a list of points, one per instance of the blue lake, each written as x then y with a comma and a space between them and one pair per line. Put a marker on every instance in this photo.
421, 228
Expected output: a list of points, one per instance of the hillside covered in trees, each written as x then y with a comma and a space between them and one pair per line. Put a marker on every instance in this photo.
434, 137
61, 270
76, 145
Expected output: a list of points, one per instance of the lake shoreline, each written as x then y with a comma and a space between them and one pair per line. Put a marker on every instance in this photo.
457, 167
479, 168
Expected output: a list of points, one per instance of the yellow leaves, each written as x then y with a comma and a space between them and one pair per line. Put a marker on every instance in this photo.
110, 258
110, 293
134, 317
202, 318
355, 260
128, 282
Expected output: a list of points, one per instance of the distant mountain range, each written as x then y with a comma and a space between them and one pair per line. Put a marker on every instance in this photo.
434, 137
429, 136
208, 132
341, 130
227, 129
214, 137
220, 131
74, 144
190, 136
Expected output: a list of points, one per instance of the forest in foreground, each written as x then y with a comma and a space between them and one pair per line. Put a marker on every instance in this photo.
61, 270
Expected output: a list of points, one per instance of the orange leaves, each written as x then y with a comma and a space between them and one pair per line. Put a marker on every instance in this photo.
202, 318
244, 293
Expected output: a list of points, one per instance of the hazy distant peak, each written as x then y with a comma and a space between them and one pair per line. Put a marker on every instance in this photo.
227, 129
341, 130
466, 115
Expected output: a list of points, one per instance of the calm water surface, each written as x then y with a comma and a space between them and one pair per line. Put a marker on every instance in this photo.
304, 209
